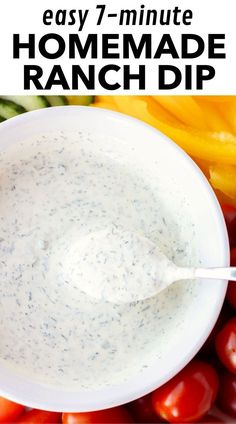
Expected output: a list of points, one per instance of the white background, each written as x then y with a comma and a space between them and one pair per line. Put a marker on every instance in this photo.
25, 16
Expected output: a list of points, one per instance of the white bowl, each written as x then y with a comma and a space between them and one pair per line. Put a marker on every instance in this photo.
147, 144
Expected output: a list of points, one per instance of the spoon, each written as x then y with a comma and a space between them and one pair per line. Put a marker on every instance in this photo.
119, 266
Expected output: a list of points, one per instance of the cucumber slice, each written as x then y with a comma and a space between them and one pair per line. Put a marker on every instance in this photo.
29, 102
2, 119
80, 100
8, 109
57, 100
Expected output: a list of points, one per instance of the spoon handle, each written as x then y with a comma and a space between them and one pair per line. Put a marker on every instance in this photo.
228, 273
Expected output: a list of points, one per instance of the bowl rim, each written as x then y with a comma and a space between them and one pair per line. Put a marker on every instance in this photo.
45, 397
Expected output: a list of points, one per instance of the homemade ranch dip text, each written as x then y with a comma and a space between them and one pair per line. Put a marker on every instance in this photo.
55, 191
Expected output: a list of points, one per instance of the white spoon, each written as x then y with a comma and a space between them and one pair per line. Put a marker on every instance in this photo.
117, 265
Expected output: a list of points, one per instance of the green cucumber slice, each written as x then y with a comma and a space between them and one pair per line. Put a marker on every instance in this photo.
9, 109
29, 102
57, 100
83, 100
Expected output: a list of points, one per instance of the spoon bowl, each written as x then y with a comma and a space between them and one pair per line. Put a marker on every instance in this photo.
118, 265
122, 266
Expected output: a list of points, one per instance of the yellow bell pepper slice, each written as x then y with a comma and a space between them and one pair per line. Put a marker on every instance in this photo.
215, 119
223, 178
185, 109
104, 105
104, 99
136, 106
213, 151
215, 99
216, 146
206, 145
228, 111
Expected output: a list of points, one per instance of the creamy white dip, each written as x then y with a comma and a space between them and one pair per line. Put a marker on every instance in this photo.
55, 190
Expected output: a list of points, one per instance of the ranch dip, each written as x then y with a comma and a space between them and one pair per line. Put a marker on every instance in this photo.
55, 190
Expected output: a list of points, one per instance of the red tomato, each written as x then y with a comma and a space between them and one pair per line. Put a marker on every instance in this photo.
227, 393
9, 411
142, 410
230, 219
189, 395
231, 292
112, 415
36, 416
226, 345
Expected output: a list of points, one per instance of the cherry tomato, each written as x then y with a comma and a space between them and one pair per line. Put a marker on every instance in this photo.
230, 219
36, 416
112, 415
9, 411
226, 345
227, 393
142, 410
231, 292
189, 395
